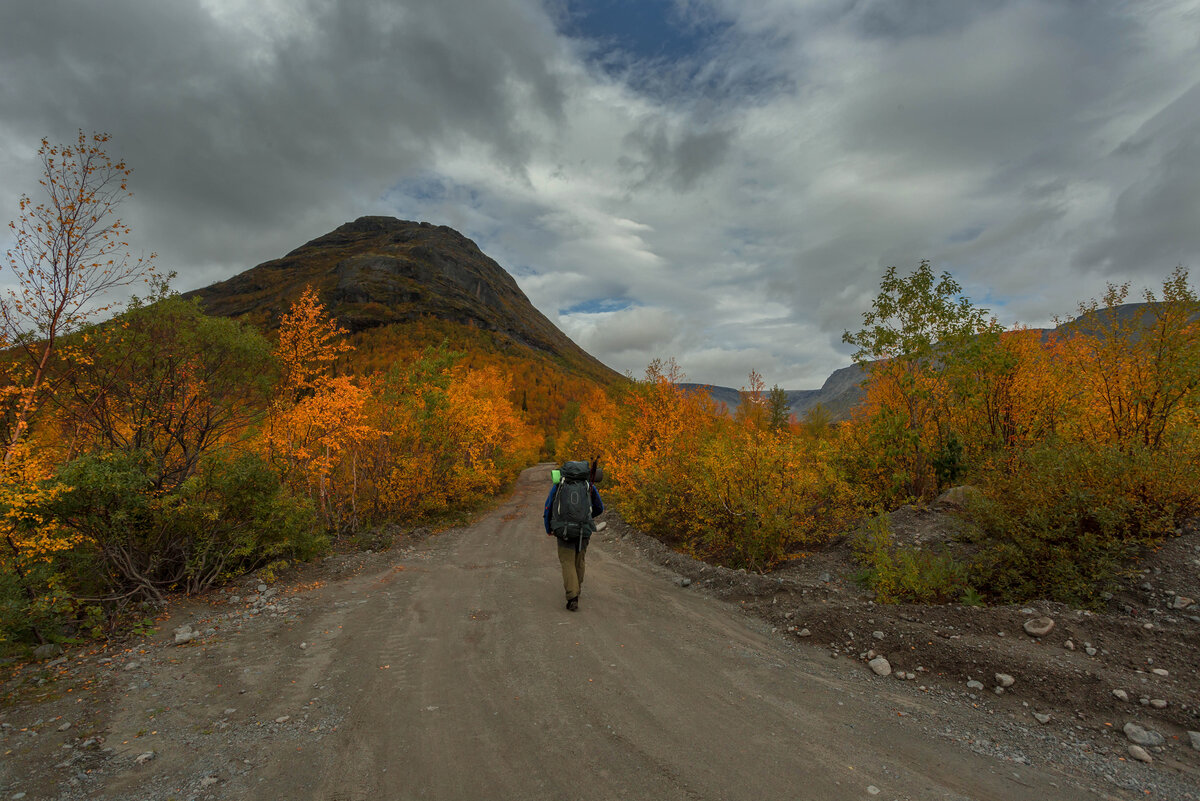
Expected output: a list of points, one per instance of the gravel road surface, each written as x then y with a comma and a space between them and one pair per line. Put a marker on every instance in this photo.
451, 670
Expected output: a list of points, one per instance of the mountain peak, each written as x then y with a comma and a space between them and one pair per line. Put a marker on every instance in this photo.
378, 271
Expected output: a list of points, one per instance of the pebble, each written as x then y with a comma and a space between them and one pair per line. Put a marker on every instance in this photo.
1148, 626
1158, 703
1090, 651
142, 759
872, 789
1160, 672
804, 633
1041, 718
1121, 695
209, 781
1194, 736
974, 685
303, 646
65, 726
1182, 602
1140, 736
881, 666
230, 710
1070, 646
877, 635
283, 719
262, 587
1139, 753
1005, 680
1039, 626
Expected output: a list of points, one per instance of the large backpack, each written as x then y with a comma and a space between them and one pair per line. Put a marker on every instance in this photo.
571, 514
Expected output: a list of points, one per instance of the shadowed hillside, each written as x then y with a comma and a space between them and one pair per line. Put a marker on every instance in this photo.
380, 271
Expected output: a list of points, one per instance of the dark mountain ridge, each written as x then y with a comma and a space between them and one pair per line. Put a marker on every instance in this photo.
381, 271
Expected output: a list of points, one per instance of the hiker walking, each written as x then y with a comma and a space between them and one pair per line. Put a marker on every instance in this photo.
572, 503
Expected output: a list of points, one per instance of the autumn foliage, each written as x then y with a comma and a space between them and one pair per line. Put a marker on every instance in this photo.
736, 490
1083, 444
163, 450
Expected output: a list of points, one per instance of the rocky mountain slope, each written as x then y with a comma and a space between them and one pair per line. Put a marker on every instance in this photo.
377, 272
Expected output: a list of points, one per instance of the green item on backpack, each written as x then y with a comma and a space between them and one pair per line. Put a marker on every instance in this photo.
555, 476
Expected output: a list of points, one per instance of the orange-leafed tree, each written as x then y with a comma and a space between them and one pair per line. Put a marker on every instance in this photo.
1138, 367
310, 344
656, 449
70, 251
317, 425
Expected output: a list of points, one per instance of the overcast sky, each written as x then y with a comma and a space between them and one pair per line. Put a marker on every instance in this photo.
722, 181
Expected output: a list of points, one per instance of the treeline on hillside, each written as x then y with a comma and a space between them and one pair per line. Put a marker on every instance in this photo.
164, 450
1081, 447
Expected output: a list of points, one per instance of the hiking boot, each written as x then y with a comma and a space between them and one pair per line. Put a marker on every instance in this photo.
573, 604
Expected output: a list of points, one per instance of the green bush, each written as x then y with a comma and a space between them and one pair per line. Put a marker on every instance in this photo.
232, 516
28, 618
1061, 520
900, 574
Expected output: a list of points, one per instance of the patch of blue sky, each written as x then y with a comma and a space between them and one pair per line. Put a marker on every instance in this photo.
642, 29
599, 306
664, 47
430, 187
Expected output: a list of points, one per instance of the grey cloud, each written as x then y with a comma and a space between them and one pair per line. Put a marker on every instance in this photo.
896, 19
1153, 224
286, 131
678, 158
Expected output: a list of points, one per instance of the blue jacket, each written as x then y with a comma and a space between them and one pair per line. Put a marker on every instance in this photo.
597, 504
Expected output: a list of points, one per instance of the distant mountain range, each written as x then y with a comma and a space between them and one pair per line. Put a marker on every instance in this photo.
839, 394
842, 391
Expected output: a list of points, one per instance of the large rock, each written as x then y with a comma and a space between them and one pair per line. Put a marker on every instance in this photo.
881, 666
1140, 736
960, 497
47, 650
1140, 754
1039, 626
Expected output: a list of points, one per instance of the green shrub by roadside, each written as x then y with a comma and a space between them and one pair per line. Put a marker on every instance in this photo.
1062, 520
901, 574
140, 542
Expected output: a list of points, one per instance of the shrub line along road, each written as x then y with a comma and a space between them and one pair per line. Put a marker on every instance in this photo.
454, 672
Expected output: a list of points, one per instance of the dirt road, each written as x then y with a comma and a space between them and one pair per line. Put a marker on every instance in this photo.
452, 671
